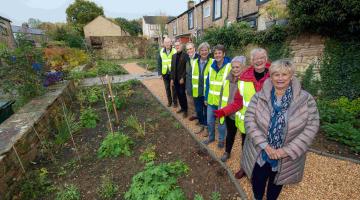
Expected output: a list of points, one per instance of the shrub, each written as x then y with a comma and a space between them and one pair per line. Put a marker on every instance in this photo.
89, 118
158, 182
198, 197
93, 95
345, 133
309, 82
215, 196
36, 186
134, 123
63, 133
339, 69
108, 189
119, 103
114, 145
149, 154
70, 192
108, 68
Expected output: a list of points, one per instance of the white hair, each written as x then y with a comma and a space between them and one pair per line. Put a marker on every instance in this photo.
204, 45
240, 59
257, 50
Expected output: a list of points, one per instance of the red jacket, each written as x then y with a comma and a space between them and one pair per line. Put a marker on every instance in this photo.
248, 76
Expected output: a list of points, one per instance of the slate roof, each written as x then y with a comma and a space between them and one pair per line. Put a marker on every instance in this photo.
6, 19
34, 31
154, 19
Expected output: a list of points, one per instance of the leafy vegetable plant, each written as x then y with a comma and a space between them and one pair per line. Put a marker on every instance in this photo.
115, 145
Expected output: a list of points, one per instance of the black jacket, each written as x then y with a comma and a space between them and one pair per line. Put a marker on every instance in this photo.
178, 70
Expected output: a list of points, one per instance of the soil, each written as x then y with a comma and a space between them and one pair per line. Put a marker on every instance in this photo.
322, 143
172, 142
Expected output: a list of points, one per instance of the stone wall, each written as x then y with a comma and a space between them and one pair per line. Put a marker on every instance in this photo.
17, 132
119, 47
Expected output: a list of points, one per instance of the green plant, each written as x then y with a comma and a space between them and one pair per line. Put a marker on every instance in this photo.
158, 182
198, 197
165, 114
119, 103
93, 94
108, 68
345, 133
177, 125
215, 196
70, 192
149, 154
275, 9
107, 189
133, 122
114, 145
89, 118
309, 82
63, 133
37, 185
71, 165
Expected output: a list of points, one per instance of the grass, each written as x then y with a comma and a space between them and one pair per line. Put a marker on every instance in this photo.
133, 122
177, 125
69, 192
149, 64
63, 134
149, 154
108, 189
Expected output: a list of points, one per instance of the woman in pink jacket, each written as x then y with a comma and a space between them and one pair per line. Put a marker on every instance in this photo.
281, 122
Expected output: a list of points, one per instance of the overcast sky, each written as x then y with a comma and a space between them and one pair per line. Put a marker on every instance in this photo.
19, 11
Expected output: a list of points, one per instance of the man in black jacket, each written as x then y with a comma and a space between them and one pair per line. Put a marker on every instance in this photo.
178, 76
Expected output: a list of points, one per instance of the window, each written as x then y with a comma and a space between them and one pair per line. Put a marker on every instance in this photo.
206, 11
259, 2
217, 9
174, 29
191, 20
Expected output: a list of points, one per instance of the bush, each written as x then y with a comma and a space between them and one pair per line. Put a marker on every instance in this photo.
309, 82
119, 103
36, 186
114, 145
345, 133
108, 189
339, 69
63, 134
109, 68
158, 182
149, 154
70, 192
89, 118
331, 18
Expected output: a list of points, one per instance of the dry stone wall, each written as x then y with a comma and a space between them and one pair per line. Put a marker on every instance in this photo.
18, 133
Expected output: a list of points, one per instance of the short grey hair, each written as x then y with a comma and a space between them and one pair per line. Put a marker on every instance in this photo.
190, 44
204, 45
257, 50
240, 59
282, 65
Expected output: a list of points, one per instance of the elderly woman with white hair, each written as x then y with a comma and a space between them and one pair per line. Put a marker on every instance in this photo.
281, 122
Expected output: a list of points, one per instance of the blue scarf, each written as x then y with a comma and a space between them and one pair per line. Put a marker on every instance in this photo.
277, 123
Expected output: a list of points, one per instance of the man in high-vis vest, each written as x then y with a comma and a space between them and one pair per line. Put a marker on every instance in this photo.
197, 73
164, 69
251, 81
215, 77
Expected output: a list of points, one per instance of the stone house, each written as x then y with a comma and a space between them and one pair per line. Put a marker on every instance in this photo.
213, 13
6, 34
36, 36
102, 26
154, 27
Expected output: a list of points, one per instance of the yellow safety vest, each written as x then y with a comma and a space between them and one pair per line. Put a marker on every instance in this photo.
166, 60
216, 80
247, 91
195, 75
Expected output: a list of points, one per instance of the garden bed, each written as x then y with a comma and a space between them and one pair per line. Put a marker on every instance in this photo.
171, 143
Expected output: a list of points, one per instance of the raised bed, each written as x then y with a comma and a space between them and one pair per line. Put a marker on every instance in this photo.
172, 142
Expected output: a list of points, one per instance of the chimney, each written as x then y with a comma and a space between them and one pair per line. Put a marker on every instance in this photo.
191, 4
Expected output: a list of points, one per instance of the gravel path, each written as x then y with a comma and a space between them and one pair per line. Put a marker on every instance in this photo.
324, 177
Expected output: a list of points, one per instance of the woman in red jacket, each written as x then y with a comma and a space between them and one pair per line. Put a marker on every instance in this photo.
256, 73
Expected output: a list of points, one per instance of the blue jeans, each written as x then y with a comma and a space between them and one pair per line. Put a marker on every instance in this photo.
200, 109
211, 124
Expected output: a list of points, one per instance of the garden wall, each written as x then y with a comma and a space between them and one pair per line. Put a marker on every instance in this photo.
118, 47
17, 131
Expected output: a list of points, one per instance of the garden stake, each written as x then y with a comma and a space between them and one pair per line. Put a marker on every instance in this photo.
43, 144
18, 157
113, 100
72, 138
107, 112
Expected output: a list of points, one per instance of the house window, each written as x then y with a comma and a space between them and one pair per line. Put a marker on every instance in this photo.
217, 9
191, 20
252, 23
259, 2
174, 29
206, 11
3, 31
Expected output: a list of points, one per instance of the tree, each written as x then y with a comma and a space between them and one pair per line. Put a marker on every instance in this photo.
34, 23
82, 12
161, 20
133, 27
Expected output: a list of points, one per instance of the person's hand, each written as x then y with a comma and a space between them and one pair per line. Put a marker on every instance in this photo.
271, 152
281, 153
219, 113
205, 102
172, 83
181, 81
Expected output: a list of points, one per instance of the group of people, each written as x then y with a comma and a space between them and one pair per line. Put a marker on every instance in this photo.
276, 119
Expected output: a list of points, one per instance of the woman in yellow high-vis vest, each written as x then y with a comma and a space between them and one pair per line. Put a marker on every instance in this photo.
229, 88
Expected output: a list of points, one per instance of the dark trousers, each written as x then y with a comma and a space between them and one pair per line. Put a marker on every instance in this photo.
200, 109
170, 92
261, 176
180, 92
231, 133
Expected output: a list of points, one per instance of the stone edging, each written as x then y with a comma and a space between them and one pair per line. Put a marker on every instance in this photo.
323, 153
229, 172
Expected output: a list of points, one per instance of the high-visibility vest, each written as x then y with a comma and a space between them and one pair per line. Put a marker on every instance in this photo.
247, 91
224, 97
216, 80
195, 75
166, 60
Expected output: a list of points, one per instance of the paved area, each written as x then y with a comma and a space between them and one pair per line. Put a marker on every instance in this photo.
324, 177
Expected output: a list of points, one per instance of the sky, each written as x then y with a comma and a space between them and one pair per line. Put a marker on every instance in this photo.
19, 11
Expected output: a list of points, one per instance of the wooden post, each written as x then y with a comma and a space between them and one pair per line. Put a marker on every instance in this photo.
108, 115
113, 100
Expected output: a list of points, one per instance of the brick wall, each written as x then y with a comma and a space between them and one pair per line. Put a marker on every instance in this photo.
122, 47
18, 132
